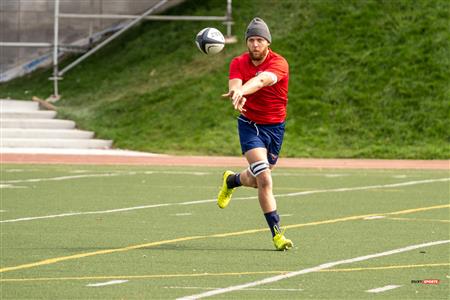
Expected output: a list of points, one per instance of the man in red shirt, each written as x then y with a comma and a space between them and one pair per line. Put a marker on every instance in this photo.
257, 88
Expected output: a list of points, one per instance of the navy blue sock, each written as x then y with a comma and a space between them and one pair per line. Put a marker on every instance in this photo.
273, 221
234, 181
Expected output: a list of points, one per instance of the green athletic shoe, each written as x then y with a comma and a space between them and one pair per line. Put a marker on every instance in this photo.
281, 242
225, 193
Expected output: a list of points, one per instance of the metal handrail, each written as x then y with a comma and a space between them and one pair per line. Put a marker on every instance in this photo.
112, 37
55, 51
227, 20
25, 44
57, 75
154, 18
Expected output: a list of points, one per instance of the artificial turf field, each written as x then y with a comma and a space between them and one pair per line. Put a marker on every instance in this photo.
118, 232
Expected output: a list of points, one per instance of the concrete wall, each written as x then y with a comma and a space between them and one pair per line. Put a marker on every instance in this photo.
32, 21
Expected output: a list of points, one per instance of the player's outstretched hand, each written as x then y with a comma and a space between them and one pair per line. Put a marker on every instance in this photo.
237, 99
240, 105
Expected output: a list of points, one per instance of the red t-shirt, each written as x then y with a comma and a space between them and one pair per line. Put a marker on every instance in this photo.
268, 105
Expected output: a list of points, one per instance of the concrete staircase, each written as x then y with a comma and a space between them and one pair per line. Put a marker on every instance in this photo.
23, 125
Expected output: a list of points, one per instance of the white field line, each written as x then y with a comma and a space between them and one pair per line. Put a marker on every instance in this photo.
310, 270
82, 174
337, 190
334, 175
383, 289
106, 283
10, 186
14, 170
407, 183
60, 178
89, 212
327, 175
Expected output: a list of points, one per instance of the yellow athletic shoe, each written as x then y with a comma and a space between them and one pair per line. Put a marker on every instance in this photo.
225, 193
281, 242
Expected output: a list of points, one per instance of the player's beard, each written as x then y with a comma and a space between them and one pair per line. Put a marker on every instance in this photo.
258, 55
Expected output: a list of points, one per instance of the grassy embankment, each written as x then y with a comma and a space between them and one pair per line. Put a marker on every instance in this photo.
368, 79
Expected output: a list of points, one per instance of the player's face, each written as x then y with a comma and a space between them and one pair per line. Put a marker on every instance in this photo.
257, 47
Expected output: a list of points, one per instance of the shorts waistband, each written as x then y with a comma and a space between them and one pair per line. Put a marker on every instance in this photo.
245, 119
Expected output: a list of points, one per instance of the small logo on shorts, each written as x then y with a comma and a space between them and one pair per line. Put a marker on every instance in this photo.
273, 156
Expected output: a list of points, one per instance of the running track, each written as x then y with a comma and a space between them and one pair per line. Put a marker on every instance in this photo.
217, 161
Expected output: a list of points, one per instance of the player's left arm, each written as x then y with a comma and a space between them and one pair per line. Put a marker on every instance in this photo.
263, 79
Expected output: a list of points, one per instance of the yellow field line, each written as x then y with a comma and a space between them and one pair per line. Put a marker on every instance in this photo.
156, 276
158, 243
107, 251
413, 210
408, 211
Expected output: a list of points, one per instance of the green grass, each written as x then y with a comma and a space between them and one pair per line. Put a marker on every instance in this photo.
167, 270
368, 79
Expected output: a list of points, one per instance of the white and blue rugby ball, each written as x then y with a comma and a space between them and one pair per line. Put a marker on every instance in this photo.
210, 41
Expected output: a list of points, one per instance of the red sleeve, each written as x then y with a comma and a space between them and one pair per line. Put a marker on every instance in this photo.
279, 67
235, 72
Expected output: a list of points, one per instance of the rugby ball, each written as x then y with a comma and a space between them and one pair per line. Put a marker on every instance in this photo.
210, 40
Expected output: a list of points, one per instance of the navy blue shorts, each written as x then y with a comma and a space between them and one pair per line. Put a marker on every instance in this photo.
252, 135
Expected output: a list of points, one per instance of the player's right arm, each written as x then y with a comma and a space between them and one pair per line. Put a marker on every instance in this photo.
235, 86
235, 94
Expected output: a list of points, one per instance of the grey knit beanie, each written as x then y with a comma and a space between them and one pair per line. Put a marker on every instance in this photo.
258, 27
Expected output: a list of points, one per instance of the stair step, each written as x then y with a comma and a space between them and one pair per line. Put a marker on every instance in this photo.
20, 105
37, 123
39, 114
55, 143
23, 125
45, 133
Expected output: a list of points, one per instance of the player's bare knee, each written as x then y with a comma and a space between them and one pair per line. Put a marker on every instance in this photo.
250, 180
254, 183
264, 180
